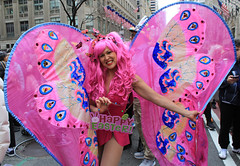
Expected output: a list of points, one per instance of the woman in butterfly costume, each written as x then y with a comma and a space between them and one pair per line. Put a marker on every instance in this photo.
111, 80
178, 54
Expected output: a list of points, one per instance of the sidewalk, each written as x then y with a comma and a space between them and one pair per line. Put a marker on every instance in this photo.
30, 153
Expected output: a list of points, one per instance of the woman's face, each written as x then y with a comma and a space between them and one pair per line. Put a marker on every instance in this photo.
108, 59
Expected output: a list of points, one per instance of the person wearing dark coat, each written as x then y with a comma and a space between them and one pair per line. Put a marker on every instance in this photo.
229, 96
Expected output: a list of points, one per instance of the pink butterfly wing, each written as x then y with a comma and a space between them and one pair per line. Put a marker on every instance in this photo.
178, 54
51, 101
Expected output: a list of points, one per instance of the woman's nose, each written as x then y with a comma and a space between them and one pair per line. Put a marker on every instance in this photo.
107, 56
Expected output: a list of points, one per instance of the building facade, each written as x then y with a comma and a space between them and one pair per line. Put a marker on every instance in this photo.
17, 16
153, 6
234, 17
143, 7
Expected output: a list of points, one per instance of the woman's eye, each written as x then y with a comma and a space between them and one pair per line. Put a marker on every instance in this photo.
102, 55
109, 52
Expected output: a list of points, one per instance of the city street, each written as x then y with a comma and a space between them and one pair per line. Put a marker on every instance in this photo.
30, 153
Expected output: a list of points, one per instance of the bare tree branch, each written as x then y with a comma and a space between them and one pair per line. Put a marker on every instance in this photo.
79, 4
93, 15
75, 6
64, 8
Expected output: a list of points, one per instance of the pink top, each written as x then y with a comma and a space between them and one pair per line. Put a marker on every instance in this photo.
114, 110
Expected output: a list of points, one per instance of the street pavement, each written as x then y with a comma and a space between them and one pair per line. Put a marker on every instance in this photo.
30, 153
213, 147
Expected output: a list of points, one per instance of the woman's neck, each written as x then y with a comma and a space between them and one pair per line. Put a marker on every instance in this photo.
109, 76
110, 73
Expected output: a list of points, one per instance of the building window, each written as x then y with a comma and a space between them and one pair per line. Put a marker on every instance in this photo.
8, 3
69, 2
23, 26
39, 21
23, 8
21, 2
10, 29
55, 19
8, 9
54, 6
38, 7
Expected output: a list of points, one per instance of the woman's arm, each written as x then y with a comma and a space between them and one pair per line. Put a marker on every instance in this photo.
142, 89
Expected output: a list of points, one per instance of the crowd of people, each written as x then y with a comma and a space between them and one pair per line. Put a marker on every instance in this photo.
113, 82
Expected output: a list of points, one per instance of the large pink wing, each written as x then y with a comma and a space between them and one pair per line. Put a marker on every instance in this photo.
45, 92
179, 52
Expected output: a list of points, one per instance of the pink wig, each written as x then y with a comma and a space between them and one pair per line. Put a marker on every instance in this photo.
121, 84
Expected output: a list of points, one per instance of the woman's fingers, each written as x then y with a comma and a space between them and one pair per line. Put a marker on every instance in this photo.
194, 115
103, 100
98, 103
106, 101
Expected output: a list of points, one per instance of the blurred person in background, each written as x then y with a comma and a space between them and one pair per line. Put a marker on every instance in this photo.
229, 96
3, 61
4, 125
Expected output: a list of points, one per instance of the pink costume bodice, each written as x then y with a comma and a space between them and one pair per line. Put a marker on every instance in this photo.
114, 110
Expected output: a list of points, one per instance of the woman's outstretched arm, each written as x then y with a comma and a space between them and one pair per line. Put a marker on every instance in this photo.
142, 89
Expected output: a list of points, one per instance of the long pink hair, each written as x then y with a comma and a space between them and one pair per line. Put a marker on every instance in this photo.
121, 84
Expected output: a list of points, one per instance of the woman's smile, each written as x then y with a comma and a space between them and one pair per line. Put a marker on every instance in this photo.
109, 62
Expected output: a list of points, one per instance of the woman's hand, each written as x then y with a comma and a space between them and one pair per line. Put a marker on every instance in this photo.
102, 104
192, 115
